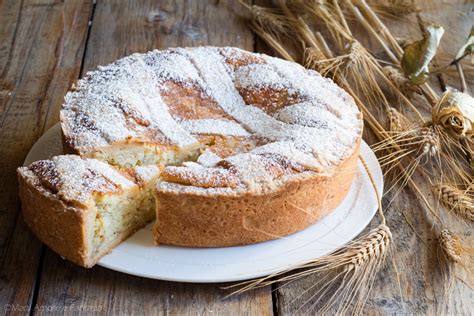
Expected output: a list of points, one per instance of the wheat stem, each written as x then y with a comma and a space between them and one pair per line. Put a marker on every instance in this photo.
464, 86
341, 17
380, 26
378, 69
428, 92
374, 186
272, 42
374, 33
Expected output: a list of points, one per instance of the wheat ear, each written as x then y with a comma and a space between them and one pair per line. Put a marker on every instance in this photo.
271, 20
456, 200
400, 81
397, 121
450, 245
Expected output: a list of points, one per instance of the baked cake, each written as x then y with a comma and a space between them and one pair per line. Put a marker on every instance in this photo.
244, 148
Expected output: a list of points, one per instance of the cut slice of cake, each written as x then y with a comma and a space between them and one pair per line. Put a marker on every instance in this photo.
82, 208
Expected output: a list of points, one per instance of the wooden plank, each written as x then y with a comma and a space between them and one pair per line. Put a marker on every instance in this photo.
422, 285
98, 289
118, 29
41, 45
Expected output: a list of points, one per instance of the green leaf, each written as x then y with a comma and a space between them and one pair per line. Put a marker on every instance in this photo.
468, 48
419, 54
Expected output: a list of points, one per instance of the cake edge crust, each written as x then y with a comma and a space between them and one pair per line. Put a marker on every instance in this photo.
61, 227
225, 221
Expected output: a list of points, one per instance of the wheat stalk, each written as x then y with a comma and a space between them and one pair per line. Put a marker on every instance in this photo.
381, 28
450, 245
329, 15
314, 58
374, 33
349, 271
396, 8
456, 200
397, 121
384, 137
371, 247
402, 83
271, 20
272, 42
352, 270
452, 255
419, 141
363, 63
429, 142
356, 67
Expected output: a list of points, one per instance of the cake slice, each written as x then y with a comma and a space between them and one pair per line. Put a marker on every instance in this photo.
82, 208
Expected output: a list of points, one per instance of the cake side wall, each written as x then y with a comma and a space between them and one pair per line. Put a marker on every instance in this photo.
213, 221
62, 228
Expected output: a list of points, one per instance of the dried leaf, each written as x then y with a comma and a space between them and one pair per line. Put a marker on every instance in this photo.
468, 48
455, 112
419, 54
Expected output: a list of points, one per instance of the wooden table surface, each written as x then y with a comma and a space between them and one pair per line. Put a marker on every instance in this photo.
46, 45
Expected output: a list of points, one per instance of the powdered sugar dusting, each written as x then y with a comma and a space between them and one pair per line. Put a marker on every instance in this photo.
200, 176
213, 126
292, 151
259, 76
251, 170
325, 142
122, 101
146, 173
208, 158
170, 65
317, 89
75, 179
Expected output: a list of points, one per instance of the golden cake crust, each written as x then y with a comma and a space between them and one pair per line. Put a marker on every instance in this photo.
193, 219
60, 226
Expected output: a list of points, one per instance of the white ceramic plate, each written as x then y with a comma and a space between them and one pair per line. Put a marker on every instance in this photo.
138, 255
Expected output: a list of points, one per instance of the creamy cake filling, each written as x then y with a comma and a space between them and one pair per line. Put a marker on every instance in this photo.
118, 216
